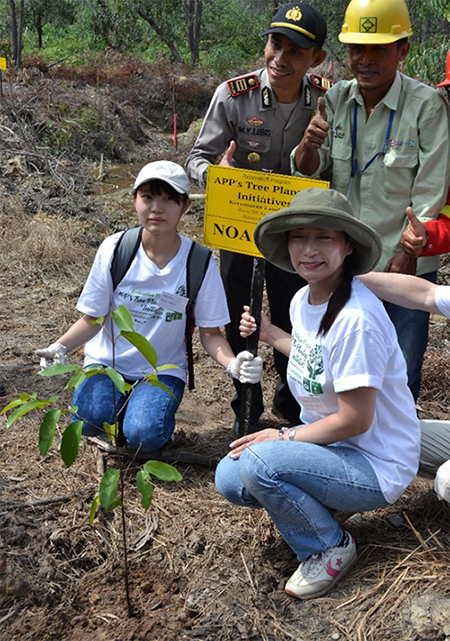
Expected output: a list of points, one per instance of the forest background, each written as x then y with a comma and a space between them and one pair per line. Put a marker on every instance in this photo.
222, 36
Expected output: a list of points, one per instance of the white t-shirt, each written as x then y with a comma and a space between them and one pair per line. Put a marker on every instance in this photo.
360, 350
156, 300
442, 299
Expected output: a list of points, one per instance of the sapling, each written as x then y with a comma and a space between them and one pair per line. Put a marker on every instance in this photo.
111, 486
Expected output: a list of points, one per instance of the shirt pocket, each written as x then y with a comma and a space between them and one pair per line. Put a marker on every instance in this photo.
400, 168
341, 156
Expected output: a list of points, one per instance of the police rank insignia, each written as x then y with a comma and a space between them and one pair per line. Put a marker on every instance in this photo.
243, 84
322, 83
307, 96
253, 157
266, 97
255, 122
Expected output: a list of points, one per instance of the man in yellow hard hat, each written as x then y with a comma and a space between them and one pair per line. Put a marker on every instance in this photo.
385, 136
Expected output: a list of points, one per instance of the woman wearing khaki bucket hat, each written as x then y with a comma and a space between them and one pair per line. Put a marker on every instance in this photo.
356, 447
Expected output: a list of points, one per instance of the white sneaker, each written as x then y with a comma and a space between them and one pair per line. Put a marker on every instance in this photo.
320, 572
442, 482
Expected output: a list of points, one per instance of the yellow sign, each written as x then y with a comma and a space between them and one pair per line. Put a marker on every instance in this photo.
237, 199
2, 64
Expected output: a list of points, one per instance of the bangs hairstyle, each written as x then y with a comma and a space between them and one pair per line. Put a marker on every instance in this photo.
158, 187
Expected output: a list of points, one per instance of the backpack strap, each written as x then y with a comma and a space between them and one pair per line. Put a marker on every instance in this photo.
124, 253
196, 267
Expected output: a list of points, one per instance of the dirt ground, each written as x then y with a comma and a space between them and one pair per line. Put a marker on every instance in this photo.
199, 568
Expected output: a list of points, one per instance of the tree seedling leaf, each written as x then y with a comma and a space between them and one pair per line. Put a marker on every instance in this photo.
122, 318
108, 487
143, 345
47, 430
162, 471
70, 442
145, 488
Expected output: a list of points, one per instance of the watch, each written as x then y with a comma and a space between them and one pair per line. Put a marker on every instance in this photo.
291, 433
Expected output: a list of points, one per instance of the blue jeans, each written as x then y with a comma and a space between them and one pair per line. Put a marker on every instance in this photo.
411, 326
148, 417
301, 485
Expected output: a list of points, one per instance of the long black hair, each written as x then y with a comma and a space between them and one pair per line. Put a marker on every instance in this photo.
341, 294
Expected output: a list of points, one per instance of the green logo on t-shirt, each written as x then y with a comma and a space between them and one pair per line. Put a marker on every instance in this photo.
314, 365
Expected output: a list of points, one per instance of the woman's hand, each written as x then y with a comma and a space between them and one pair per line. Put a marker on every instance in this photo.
240, 444
248, 325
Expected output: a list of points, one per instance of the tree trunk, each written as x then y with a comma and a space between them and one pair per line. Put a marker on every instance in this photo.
195, 9
167, 41
38, 23
12, 7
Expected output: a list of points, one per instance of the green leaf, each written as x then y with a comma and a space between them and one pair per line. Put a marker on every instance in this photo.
23, 398
93, 510
122, 318
143, 345
47, 430
76, 380
116, 378
111, 430
153, 380
70, 442
162, 471
161, 368
108, 487
55, 370
24, 409
145, 488
98, 321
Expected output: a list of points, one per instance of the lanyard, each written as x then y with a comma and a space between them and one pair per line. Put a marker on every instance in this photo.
355, 168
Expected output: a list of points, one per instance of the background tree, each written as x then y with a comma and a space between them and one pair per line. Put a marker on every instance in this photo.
17, 10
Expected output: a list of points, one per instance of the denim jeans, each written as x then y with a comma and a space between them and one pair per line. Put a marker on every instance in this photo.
148, 418
411, 326
301, 485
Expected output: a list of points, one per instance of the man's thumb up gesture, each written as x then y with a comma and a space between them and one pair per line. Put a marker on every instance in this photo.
414, 237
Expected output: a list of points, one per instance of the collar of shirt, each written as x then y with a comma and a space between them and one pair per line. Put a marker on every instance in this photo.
390, 99
302, 101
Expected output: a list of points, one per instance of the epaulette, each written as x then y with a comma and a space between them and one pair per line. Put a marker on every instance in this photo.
243, 84
322, 83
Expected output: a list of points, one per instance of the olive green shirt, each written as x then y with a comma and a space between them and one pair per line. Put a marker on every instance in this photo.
415, 169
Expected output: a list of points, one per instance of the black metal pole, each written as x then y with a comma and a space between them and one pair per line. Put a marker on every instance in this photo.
256, 296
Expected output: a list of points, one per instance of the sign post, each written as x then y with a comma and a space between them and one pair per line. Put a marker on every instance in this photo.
2, 68
236, 200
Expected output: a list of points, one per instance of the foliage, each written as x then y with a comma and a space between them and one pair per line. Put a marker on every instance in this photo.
109, 496
226, 39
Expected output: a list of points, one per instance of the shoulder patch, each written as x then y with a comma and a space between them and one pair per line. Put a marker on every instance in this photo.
243, 84
322, 83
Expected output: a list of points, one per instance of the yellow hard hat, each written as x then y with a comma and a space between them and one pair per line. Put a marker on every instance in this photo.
375, 22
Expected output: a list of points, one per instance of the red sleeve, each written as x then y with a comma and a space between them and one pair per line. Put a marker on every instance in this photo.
438, 234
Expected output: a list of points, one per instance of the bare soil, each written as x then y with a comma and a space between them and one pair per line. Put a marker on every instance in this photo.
199, 568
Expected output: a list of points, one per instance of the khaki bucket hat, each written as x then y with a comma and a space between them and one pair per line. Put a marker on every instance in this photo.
324, 209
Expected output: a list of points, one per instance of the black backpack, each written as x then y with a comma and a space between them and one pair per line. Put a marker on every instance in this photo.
196, 266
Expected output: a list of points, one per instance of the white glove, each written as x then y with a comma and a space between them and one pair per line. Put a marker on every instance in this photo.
246, 368
442, 482
54, 354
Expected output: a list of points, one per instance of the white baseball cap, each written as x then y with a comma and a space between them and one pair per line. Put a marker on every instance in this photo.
164, 170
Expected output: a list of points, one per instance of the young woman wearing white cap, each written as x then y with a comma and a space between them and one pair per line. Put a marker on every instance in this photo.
154, 292
357, 448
